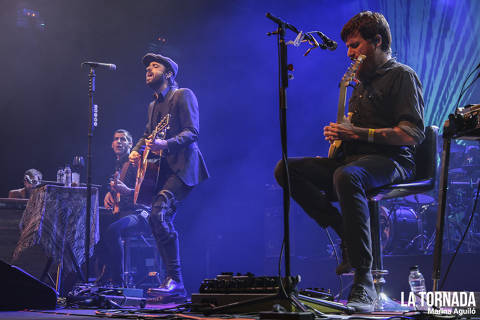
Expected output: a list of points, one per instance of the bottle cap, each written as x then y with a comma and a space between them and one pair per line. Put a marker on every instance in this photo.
414, 268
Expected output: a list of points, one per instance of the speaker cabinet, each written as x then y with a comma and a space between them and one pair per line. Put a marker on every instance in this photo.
20, 290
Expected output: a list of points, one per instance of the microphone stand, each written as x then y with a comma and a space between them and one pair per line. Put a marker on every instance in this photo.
288, 283
91, 125
289, 291
283, 84
91, 91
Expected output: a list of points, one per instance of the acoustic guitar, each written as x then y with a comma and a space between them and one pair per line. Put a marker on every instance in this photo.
347, 78
116, 195
148, 171
118, 175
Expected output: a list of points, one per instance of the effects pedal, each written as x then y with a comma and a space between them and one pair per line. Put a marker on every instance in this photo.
317, 293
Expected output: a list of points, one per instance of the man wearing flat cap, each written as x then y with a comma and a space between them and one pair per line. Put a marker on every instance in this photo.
181, 165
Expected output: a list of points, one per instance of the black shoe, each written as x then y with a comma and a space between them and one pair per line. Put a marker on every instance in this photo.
344, 266
360, 300
170, 288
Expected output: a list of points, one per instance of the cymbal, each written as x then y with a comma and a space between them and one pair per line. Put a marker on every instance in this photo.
455, 148
456, 170
469, 183
419, 198
472, 170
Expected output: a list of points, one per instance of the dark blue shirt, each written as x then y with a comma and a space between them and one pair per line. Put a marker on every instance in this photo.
391, 98
161, 108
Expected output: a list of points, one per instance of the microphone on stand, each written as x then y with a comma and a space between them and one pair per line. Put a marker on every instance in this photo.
100, 65
331, 45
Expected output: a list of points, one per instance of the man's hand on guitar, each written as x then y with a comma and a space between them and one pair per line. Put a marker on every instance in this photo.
120, 187
134, 158
108, 201
156, 145
340, 131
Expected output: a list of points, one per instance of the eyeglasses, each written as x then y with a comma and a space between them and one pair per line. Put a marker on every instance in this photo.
30, 180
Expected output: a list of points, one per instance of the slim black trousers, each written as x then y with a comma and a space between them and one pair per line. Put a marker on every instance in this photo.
316, 182
170, 190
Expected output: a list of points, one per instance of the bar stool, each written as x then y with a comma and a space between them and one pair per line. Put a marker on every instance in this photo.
134, 241
426, 167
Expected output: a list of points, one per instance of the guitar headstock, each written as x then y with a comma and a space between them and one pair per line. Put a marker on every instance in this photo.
352, 70
162, 126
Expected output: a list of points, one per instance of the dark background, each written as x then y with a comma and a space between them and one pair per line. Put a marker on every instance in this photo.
226, 58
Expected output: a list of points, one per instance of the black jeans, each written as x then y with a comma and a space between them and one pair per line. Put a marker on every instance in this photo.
131, 223
315, 182
171, 190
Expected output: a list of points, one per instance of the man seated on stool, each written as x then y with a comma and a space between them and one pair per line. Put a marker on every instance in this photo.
378, 149
120, 200
31, 179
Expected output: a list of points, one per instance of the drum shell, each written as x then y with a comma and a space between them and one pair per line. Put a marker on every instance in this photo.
399, 227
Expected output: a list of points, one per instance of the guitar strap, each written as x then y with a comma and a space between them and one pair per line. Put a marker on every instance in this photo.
170, 101
171, 94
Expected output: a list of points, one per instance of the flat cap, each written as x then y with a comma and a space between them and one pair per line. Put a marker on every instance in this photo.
166, 61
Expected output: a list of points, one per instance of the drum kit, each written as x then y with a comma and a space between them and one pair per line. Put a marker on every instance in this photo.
408, 224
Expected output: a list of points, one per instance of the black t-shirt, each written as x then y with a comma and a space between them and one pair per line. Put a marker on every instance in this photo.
393, 97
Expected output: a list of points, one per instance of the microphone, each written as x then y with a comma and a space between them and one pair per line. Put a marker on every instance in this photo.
100, 65
331, 45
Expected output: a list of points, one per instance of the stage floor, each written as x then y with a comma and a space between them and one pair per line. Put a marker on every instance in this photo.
157, 313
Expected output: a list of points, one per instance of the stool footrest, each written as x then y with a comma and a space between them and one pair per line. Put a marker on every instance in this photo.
380, 272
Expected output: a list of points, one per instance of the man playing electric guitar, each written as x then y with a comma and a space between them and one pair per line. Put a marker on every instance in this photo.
377, 149
181, 165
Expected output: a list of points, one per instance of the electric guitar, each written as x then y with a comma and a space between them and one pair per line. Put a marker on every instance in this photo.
147, 173
347, 78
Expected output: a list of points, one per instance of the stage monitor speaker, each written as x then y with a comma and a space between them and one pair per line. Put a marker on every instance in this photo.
19, 290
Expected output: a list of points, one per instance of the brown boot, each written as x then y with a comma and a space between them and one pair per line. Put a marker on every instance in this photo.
344, 266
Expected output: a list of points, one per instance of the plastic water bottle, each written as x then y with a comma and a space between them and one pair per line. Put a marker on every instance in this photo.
417, 285
60, 176
68, 176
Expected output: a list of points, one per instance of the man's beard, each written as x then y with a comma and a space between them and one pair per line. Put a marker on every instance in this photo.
367, 69
158, 83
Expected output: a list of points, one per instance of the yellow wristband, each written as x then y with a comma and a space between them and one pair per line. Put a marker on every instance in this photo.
371, 133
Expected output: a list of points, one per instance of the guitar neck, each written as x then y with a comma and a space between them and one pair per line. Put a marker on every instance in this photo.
145, 154
342, 100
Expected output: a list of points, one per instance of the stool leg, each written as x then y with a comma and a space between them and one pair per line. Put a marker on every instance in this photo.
383, 302
376, 235
125, 263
